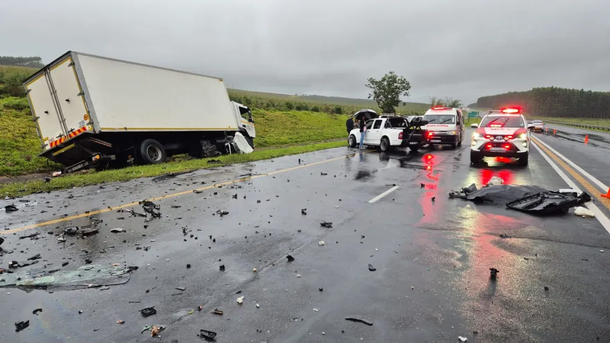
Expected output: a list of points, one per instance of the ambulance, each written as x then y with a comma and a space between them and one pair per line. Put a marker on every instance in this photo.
445, 126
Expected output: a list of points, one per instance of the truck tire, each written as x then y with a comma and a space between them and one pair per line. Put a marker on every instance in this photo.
351, 141
152, 152
384, 145
523, 160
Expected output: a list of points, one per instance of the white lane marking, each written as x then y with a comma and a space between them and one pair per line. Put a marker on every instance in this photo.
383, 194
601, 217
599, 184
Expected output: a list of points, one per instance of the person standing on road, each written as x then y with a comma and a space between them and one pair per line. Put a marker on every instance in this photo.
362, 132
349, 124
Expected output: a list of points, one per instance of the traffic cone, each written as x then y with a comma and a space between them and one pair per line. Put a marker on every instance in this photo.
607, 195
554, 132
587, 139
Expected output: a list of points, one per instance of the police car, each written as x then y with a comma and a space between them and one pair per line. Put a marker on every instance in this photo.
501, 134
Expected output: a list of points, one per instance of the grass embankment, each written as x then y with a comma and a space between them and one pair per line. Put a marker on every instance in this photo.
19, 143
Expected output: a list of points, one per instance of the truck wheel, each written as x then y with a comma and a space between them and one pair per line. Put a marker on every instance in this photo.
475, 158
385, 144
152, 152
523, 160
351, 141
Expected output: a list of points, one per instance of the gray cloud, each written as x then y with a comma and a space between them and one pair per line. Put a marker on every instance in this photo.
462, 49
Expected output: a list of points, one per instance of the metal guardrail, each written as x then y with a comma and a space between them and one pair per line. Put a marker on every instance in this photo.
585, 126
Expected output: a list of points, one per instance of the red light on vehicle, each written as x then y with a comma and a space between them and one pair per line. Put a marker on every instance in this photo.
506, 146
429, 157
487, 136
510, 110
429, 134
488, 146
400, 135
441, 108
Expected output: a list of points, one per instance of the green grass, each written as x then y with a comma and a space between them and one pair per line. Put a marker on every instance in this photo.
584, 121
93, 178
19, 141
275, 128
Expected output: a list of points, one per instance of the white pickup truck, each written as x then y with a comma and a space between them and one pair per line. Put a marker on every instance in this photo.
389, 132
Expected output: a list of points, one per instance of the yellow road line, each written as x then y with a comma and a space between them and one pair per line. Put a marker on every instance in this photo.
592, 190
168, 196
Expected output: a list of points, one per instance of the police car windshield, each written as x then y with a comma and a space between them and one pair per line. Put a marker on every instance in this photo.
440, 118
502, 121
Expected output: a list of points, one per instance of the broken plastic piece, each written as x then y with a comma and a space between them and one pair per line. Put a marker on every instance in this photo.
207, 335
71, 230
327, 225
20, 326
321, 243
304, 211
120, 321
117, 230
289, 258
371, 268
583, 212
147, 312
462, 339
360, 320
493, 273
37, 311
240, 300
495, 181
218, 312
222, 268
8, 209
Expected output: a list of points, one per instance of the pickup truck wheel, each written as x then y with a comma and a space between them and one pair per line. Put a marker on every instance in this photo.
351, 141
152, 152
385, 144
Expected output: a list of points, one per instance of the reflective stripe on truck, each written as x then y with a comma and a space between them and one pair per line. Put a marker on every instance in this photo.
70, 136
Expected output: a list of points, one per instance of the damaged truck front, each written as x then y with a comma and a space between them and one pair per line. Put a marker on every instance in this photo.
92, 111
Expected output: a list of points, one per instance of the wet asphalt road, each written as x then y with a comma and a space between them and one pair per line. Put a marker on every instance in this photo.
431, 258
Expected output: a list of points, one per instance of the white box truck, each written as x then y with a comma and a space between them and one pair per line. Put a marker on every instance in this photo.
93, 111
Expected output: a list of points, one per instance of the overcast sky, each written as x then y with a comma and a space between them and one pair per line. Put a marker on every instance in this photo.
458, 48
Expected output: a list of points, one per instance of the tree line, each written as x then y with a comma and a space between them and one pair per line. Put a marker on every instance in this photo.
30, 62
553, 102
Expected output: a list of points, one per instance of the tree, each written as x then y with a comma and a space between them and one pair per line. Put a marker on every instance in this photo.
387, 91
31, 62
447, 102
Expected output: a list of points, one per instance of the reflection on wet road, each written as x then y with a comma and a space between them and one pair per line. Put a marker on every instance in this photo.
431, 256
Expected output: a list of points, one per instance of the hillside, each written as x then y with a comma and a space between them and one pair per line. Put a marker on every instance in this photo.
553, 102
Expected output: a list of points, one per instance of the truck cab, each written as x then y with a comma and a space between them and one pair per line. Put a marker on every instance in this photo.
445, 126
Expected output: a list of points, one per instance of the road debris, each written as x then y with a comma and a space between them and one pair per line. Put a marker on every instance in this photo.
240, 300
36, 311
327, 225
321, 243
289, 258
31, 236
207, 335
461, 338
20, 326
120, 321
546, 288
222, 268
298, 275
217, 312
71, 231
495, 181
525, 198
85, 232
493, 273
181, 289
321, 289
222, 213
359, 320
323, 174
10, 208
583, 212
118, 230
258, 305
503, 235
371, 268
156, 330
147, 312
304, 211
316, 310
254, 270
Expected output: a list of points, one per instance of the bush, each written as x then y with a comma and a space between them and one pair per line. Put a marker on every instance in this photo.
18, 104
338, 110
315, 108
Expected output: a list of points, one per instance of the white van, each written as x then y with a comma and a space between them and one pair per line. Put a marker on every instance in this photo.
445, 126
